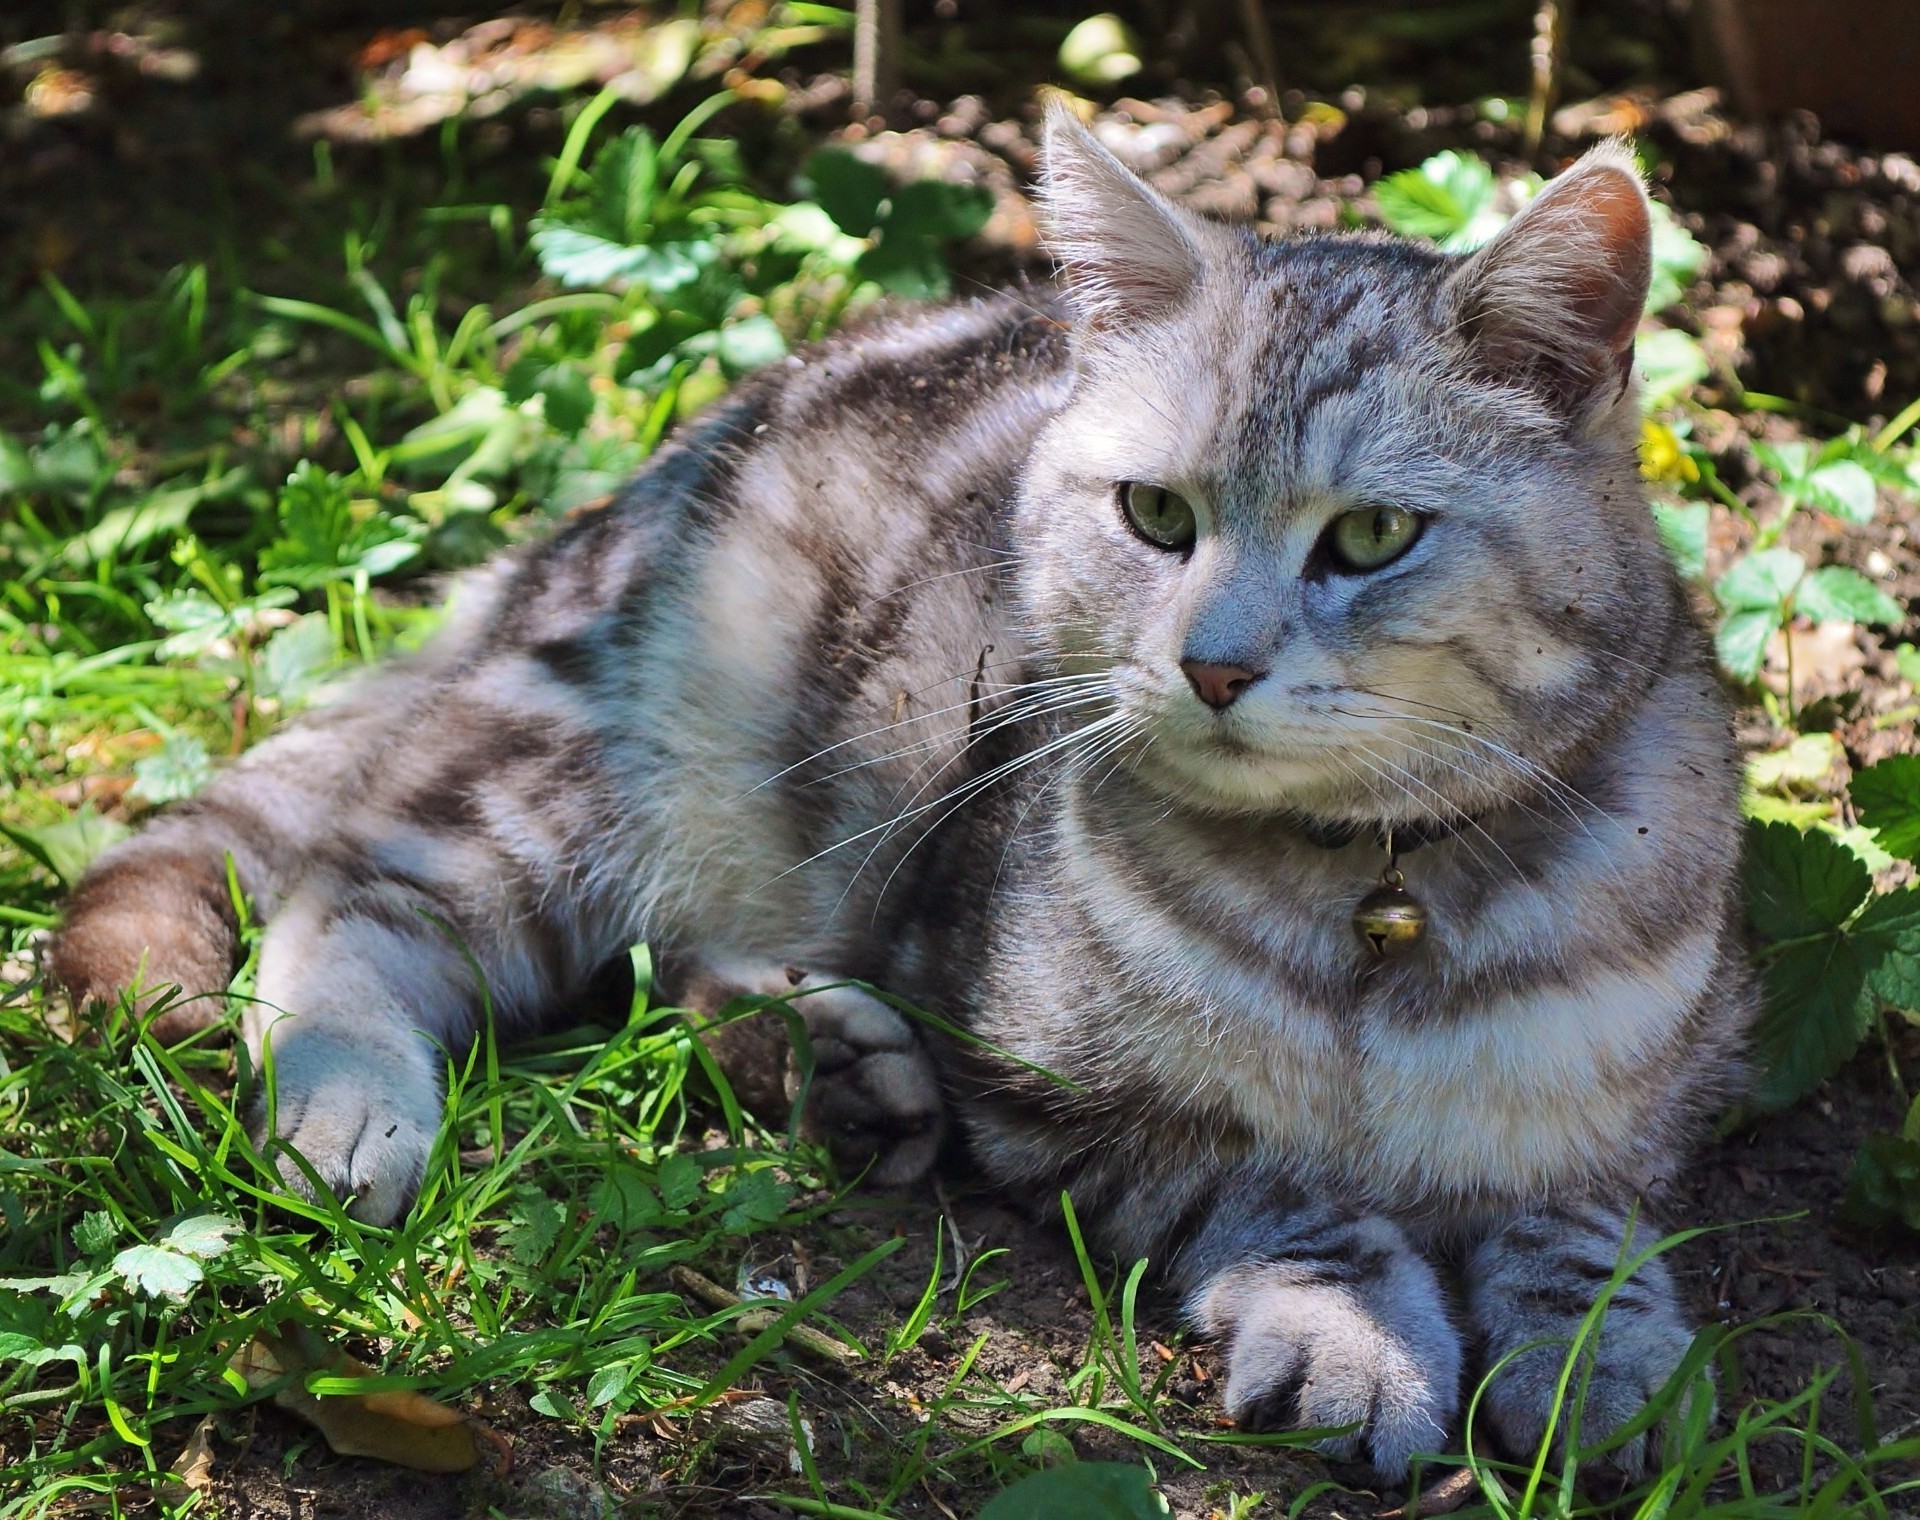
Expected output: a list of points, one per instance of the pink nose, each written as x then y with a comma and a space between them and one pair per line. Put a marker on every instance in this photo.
1218, 685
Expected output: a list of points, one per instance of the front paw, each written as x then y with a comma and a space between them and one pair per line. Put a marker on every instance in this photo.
873, 1096
362, 1111
1531, 1286
1371, 1349
1635, 1358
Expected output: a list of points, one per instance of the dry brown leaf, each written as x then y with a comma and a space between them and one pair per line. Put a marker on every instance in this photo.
405, 1428
193, 1468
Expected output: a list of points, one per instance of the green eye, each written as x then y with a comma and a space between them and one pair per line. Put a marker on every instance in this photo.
1163, 518
1372, 536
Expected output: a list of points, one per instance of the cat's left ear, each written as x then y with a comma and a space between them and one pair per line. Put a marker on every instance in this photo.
1127, 254
1554, 300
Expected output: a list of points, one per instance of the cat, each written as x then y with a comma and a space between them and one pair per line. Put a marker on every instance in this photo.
1076, 665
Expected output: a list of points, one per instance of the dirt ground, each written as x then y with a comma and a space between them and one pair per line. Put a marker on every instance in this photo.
1814, 288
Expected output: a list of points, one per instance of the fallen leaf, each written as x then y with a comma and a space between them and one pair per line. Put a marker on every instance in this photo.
193, 1468
399, 1426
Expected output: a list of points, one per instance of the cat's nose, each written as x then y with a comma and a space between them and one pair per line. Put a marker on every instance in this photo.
1218, 685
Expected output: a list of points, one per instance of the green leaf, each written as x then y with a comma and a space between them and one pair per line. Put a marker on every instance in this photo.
1906, 660
848, 188
68, 847
1449, 198
1787, 460
1741, 640
1683, 529
94, 1233
1835, 594
1678, 256
1884, 1189
296, 660
608, 1384
1670, 363
180, 770
1887, 797
1888, 935
576, 257
680, 1182
159, 1272
324, 538
1814, 1016
1845, 489
749, 343
202, 1235
534, 1225
552, 1403
755, 1199
1100, 51
933, 209
1080, 1491
1800, 884
1808, 759
1759, 582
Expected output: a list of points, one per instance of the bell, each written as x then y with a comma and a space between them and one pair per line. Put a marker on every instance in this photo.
1390, 920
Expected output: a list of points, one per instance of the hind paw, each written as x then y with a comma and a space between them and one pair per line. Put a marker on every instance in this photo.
872, 1096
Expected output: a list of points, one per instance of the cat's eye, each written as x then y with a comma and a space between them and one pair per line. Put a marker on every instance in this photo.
1369, 537
1163, 518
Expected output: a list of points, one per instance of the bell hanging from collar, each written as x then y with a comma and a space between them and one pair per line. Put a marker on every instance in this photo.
1390, 920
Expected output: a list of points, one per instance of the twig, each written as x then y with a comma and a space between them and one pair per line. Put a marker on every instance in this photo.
1253, 19
805, 1337
876, 54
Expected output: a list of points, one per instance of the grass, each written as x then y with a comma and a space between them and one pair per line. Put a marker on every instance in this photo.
230, 486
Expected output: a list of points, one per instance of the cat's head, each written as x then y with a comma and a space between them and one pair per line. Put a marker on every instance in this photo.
1352, 527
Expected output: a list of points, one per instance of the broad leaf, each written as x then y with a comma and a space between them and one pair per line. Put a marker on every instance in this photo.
1814, 1015
1683, 529
1080, 1491
1759, 581
1888, 935
1885, 1187
1843, 488
1800, 884
577, 257
68, 847
848, 189
1670, 363
1449, 198
1835, 594
1741, 640
203, 1235
159, 1272
296, 660
1887, 798
180, 770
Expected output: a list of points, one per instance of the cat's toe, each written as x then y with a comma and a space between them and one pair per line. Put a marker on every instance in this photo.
362, 1119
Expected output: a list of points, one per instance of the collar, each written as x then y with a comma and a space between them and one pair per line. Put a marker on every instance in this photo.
1406, 837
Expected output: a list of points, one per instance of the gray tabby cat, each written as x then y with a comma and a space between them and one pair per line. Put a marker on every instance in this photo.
1066, 669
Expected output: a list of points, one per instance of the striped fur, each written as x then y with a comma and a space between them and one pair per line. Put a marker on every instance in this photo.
866, 677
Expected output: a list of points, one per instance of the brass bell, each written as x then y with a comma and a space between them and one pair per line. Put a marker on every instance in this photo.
1390, 920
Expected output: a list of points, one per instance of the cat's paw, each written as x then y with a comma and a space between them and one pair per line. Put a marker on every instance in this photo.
1636, 1357
874, 1096
361, 1111
1530, 1286
1372, 1350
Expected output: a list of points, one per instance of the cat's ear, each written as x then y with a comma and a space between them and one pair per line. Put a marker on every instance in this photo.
1554, 300
1126, 253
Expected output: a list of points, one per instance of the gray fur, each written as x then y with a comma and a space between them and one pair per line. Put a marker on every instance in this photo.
866, 677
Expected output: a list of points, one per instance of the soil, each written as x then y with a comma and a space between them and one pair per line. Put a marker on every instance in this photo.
1813, 293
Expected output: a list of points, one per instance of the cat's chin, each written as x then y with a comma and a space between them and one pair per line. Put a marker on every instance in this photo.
1248, 781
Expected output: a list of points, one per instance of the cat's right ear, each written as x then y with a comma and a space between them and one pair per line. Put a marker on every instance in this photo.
1126, 253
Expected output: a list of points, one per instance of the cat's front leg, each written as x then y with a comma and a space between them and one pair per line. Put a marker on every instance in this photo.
873, 1095
1534, 1279
1330, 1317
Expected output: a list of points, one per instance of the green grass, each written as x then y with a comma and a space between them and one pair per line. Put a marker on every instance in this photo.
228, 488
